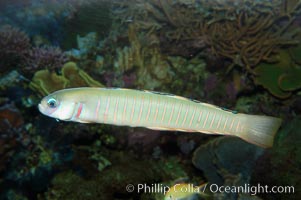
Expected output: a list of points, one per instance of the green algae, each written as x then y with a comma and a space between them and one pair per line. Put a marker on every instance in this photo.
291, 81
281, 78
268, 76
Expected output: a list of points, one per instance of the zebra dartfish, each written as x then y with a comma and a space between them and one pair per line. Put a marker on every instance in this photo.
159, 111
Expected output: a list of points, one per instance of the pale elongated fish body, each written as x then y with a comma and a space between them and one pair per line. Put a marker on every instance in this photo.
156, 111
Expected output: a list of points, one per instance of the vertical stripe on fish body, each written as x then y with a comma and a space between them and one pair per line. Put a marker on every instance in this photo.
157, 111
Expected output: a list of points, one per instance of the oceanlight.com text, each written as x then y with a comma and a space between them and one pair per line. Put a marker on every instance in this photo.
252, 189
214, 188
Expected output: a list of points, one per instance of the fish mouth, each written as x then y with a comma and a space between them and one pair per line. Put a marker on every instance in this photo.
41, 108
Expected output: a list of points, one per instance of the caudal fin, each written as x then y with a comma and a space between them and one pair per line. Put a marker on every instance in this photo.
259, 130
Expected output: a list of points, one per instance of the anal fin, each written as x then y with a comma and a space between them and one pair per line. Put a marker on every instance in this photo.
170, 129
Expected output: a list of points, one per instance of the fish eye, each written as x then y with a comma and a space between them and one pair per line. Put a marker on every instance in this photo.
52, 103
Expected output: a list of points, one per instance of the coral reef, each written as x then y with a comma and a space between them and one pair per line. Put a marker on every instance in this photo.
125, 169
216, 86
138, 64
47, 57
45, 81
32, 165
174, 24
14, 47
188, 76
16, 51
216, 51
152, 70
254, 34
11, 122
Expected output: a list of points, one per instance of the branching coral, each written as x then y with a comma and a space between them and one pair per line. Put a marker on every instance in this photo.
16, 51
246, 32
13, 40
51, 58
14, 45
249, 39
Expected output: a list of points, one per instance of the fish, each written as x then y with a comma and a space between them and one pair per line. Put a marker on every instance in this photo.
158, 111
185, 191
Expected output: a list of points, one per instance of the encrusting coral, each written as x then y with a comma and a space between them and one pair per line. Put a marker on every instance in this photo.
45, 81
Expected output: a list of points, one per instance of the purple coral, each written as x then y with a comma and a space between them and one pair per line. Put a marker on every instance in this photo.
16, 50
49, 57
14, 45
13, 40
